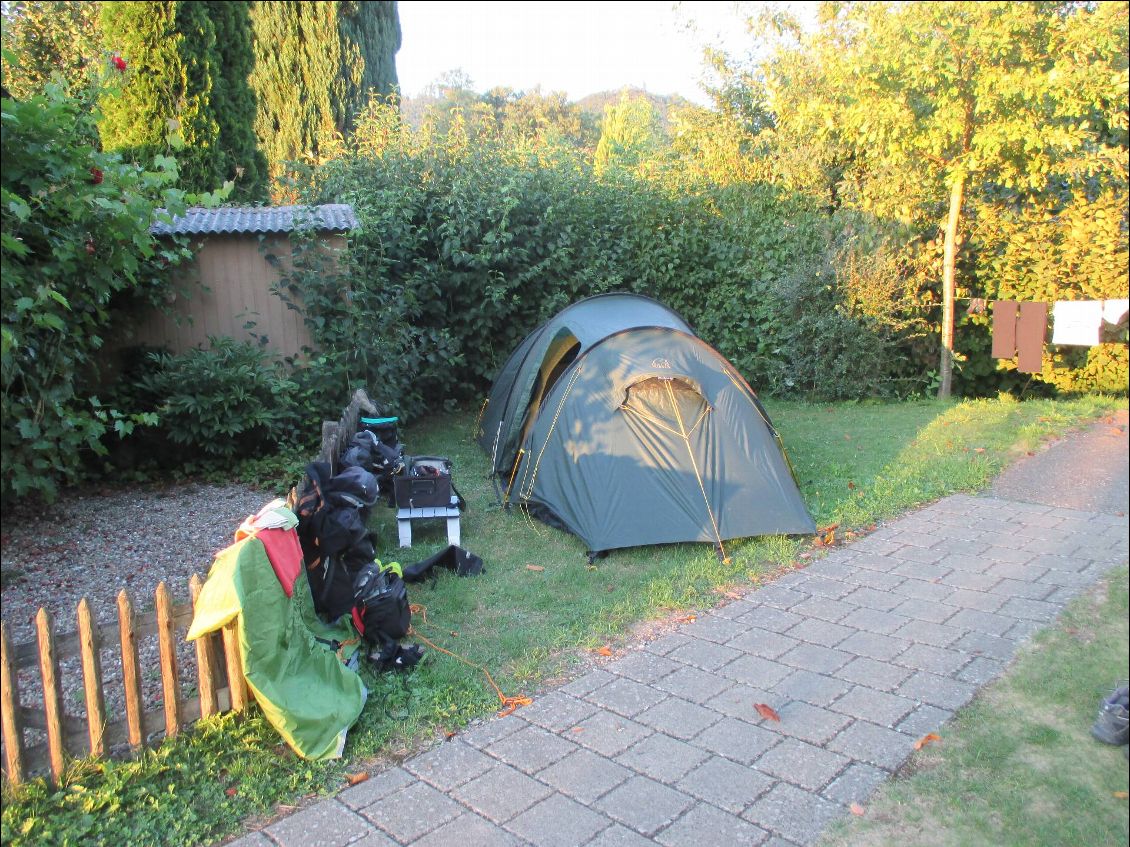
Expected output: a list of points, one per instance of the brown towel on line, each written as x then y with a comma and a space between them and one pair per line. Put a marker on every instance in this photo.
1004, 329
1030, 332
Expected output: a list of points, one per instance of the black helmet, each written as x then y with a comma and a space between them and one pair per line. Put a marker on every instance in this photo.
353, 487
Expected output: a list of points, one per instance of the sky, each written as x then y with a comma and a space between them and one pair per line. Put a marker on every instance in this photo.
577, 47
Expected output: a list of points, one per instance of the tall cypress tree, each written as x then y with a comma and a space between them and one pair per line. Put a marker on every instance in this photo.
170, 51
315, 66
233, 99
188, 67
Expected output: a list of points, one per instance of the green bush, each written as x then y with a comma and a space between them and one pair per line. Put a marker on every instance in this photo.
466, 244
75, 237
229, 401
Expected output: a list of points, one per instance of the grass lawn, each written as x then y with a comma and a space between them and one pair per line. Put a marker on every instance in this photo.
531, 626
1018, 766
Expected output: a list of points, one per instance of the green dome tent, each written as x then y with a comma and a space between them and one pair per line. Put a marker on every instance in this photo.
614, 421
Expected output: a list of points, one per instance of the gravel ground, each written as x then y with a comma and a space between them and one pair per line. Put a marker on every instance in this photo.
95, 544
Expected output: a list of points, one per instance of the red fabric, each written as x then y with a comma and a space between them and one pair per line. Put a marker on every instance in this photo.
358, 621
285, 554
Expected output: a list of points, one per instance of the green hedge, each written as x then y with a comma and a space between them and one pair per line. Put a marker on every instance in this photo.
466, 245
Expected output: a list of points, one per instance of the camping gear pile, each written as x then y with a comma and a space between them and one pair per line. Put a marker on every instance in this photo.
344, 574
615, 422
403, 481
300, 653
340, 551
299, 668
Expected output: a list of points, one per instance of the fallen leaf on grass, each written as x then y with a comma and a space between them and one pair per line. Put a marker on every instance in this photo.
534, 568
978, 449
767, 712
926, 739
356, 778
851, 485
857, 810
231, 792
603, 651
1121, 795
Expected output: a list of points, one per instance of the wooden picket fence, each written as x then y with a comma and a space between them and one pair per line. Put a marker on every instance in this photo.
219, 675
219, 672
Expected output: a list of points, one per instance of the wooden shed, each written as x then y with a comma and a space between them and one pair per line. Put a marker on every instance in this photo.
228, 286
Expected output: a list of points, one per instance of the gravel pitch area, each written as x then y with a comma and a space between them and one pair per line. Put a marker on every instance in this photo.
97, 543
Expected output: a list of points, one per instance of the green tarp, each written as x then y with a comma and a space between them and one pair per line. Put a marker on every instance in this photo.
304, 690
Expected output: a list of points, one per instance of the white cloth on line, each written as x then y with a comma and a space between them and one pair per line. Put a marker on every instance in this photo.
1077, 322
1113, 310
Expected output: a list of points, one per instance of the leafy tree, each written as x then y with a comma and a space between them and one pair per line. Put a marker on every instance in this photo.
75, 237
48, 37
533, 117
629, 135
452, 94
315, 67
906, 109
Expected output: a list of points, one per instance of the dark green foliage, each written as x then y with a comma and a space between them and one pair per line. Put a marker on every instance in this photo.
234, 101
52, 38
370, 35
221, 403
172, 66
315, 67
75, 236
187, 78
466, 246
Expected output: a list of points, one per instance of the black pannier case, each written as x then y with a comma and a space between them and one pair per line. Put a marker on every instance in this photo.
426, 482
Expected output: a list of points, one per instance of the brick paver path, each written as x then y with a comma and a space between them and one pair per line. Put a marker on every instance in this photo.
861, 654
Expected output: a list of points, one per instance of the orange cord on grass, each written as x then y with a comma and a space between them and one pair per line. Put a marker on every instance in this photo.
509, 704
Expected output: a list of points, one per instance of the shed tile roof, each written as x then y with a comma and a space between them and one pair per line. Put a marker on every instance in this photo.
236, 220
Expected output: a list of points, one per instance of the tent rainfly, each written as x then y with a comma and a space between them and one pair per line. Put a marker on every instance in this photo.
614, 421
